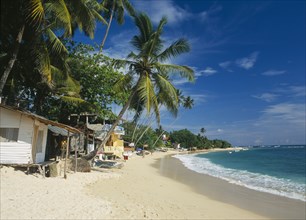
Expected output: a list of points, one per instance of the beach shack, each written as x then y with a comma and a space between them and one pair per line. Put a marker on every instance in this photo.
23, 136
114, 146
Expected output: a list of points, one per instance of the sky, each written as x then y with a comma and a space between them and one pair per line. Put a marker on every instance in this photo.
249, 63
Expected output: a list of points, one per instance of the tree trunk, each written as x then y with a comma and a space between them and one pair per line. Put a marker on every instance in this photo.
92, 154
107, 29
12, 60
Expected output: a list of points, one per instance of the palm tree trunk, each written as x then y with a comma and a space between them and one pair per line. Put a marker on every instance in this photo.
11, 62
107, 29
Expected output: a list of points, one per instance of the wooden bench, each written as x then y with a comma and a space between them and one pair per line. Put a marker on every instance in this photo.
40, 166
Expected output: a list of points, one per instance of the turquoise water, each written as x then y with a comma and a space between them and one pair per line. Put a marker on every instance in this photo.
279, 170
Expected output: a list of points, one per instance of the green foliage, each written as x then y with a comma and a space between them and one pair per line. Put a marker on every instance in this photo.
96, 78
41, 69
141, 135
184, 137
153, 87
188, 140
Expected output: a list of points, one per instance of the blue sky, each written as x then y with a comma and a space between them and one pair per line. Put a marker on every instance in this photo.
249, 61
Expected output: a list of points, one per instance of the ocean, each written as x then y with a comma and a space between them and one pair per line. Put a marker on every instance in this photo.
279, 170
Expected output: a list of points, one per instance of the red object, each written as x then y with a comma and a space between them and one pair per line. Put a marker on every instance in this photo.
126, 157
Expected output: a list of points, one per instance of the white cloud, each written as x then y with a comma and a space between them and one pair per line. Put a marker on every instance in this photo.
298, 91
121, 45
226, 65
273, 72
247, 62
209, 71
219, 130
157, 9
179, 81
292, 113
267, 97
199, 98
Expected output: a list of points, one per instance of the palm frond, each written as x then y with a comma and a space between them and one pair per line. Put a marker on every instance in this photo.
119, 11
137, 42
145, 26
120, 63
99, 17
178, 47
165, 86
129, 8
154, 45
184, 71
56, 45
71, 100
83, 13
167, 94
35, 12
137, 106
43, 63
61, 13
69, 87
146, 93
132, 56
124, 83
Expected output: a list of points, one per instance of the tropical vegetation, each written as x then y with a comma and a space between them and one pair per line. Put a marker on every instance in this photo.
44, 71
148, 77
33, 55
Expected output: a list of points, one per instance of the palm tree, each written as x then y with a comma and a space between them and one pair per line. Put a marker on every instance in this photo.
188, 102
39, 20
115, 8
148, 75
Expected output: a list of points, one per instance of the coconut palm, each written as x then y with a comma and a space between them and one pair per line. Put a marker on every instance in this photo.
115, 8
188, 102
148, 75
39, 20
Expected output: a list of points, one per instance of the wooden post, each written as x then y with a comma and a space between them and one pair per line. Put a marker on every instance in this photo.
76, 154
67, 148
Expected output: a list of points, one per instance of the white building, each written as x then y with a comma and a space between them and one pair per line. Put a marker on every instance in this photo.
23, 136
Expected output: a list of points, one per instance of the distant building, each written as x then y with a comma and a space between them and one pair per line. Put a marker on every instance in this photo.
114, 147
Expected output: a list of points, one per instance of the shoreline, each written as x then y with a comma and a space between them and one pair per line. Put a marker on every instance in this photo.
142, 192
262, 203
153, 187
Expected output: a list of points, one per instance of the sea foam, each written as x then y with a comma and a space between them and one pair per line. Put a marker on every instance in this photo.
255, 181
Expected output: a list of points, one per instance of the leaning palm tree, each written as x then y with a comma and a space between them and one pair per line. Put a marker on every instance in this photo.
115, 8
148, 77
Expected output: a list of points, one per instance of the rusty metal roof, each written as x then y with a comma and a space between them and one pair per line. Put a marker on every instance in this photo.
41, 118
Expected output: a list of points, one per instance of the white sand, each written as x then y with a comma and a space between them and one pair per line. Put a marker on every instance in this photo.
137, 191
142, 193
32, 197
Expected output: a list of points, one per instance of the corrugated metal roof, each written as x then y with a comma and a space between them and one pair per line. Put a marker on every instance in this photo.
41, 119
58, 130
95, 127
101, 130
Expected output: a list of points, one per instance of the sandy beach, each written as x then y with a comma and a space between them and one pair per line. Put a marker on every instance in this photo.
142, 189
